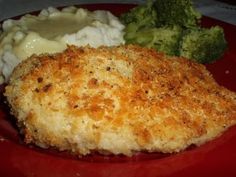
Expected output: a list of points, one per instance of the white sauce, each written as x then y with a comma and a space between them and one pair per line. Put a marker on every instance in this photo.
52, 30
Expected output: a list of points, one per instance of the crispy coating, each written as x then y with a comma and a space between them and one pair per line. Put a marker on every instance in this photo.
117, 100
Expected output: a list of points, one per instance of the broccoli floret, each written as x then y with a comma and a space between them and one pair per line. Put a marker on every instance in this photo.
164, 39
176, 12
203, 45
142, 16
171, 26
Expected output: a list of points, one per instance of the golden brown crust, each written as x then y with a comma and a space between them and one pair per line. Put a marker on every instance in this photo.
118, 99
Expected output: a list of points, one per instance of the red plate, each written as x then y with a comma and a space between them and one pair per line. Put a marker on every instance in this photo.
216, 158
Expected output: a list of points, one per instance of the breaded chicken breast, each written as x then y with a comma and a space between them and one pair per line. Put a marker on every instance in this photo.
117, 100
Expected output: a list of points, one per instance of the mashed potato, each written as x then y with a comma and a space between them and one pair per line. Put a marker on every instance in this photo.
52, 30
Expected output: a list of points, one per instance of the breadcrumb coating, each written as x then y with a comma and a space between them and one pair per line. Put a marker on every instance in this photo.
117, 100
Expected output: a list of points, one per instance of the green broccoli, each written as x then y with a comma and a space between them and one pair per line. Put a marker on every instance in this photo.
142, 16
176, 12
165, 39
203, 45
172, 27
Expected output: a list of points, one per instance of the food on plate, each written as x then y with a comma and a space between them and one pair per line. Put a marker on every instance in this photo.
118, 100
172, 27
168, 26
52, 30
